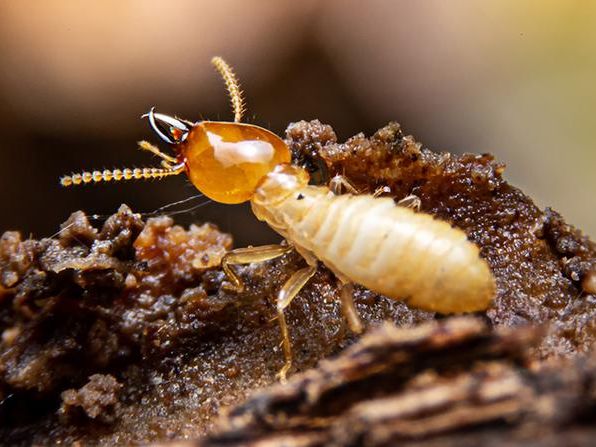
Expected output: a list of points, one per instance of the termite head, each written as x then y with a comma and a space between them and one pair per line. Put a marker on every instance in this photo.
226, 161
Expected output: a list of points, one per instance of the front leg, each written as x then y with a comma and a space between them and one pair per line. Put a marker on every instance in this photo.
249, 255
287, 293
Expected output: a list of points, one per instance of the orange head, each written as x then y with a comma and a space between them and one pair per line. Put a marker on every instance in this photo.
224, 160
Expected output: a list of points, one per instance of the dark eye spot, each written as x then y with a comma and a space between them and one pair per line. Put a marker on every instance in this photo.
299, 197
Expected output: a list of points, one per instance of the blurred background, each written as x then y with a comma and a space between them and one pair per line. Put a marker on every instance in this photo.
515, 78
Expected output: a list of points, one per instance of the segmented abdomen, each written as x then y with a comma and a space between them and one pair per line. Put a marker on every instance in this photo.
389, 249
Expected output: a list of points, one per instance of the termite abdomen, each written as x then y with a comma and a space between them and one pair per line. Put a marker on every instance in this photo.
389, 249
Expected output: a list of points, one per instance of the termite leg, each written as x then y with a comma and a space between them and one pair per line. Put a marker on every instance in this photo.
381, 190
249, 255
412, 201
287, 293
146, 146
348, 308
341, 181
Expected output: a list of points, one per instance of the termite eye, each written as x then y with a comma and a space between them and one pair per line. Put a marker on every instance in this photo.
170, 129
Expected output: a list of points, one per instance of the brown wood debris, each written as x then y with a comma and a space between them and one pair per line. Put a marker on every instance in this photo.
454, 382
128, 334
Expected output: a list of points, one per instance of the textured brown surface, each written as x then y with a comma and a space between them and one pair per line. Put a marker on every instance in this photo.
143, 303
99, 398
430, 385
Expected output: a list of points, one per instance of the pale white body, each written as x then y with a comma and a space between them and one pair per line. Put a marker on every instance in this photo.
389, 249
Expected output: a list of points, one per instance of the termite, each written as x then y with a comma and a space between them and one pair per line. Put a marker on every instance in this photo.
362, 238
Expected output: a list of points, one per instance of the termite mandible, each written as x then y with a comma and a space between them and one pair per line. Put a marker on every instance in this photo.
363, 239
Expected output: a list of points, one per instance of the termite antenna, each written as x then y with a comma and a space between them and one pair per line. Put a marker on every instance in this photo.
118, 175
233, 86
